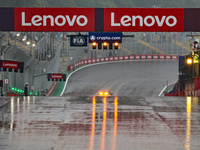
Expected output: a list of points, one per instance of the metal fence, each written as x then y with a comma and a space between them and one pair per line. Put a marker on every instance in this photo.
48, 49
172, 43
175, 43
34, 70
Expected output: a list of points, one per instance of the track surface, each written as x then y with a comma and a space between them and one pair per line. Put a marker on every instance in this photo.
136, 78
140, 120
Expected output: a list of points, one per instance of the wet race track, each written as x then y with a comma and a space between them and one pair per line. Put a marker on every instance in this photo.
84, 121
138, 78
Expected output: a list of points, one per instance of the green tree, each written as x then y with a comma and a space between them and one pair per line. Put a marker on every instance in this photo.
104, 3
61, 3
85, 3
122, 4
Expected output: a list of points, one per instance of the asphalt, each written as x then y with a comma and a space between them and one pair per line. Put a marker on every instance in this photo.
133, 78
82, 121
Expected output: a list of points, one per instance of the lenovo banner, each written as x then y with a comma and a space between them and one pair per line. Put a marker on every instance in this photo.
56, 76
143, 19
100, 19
10, 64
54, 19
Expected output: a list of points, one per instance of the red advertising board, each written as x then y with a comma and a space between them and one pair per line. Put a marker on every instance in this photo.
144, 19
70, 67
93, 60
121, 58
98, 59
10, 64
162, 57
89, 61
77, 64
149, 56
111, 58
106, 59
116, 58
56, 76
174, 57
197, 86
54, 19
102, 59
127, 57
137, 56
131, 57
155, 56
100, 19
168, 57
143, 56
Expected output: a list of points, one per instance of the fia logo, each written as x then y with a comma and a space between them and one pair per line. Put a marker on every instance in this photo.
78, 40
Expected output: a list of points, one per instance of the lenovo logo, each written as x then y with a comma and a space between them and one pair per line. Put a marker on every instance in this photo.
8, 64
56, 76
149, 20
59, 20
143, 19
54, 19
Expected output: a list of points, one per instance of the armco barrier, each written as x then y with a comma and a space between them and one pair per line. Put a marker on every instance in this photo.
121, 58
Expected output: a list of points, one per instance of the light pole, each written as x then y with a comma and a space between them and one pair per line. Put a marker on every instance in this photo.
27, 44
17, 35
33, 45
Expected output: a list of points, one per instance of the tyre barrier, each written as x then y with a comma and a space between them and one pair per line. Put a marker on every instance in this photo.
120, 58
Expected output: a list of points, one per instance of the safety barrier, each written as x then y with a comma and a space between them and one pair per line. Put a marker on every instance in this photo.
182, 93
34, 71
121, 58
51, 89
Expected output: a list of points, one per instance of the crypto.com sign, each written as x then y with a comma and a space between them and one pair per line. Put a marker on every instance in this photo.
100, 19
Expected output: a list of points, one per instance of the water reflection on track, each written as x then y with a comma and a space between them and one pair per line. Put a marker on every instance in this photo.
100, 123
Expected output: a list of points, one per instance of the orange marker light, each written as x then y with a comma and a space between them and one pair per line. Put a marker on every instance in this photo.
105, 44
94, 44
101, 93
106, 93
189, 61
116, 44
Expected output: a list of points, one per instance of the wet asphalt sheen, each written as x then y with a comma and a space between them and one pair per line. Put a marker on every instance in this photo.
100, 123
134, 78
133, 118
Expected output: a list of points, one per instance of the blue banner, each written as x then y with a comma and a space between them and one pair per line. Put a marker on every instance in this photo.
105, 37
181, 64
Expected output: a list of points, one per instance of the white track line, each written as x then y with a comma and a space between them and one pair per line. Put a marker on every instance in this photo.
165, 88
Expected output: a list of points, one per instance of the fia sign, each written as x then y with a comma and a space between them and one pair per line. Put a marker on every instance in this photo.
78, 40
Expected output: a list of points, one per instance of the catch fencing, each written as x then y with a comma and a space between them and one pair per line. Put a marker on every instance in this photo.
35, 71
139, 43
